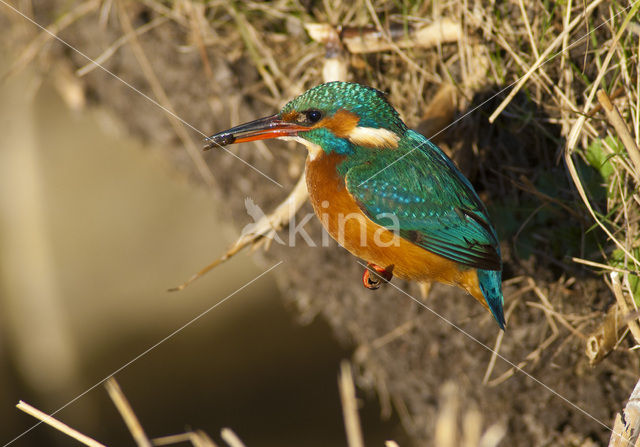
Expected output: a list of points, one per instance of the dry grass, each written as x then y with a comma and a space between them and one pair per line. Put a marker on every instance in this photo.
447, 432
525, 76
196, 438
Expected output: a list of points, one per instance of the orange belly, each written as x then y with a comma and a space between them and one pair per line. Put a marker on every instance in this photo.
350, 227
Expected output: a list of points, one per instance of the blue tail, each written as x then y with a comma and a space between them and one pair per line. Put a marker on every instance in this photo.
491, 286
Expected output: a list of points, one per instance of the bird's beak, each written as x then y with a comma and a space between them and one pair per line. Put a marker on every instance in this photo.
261, 129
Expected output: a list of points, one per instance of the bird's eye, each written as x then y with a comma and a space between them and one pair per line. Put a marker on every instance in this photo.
313, 116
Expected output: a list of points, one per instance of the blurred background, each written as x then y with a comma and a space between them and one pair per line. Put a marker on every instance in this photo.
106, 201
95, 228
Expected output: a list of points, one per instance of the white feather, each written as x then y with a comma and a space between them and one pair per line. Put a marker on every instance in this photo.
372, 137
314, 149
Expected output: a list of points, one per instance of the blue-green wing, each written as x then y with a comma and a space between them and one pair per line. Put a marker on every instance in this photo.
425, 198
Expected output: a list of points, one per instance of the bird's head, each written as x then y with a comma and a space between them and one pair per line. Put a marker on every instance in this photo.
332, 117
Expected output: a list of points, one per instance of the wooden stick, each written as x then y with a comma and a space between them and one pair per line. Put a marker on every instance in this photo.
60, 426
125, 410
196, 438
230, 437
349, 406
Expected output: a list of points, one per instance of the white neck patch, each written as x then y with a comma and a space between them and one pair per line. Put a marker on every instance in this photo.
314, 149
372, 137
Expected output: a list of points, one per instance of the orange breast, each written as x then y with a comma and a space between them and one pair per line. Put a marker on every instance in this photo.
350, 227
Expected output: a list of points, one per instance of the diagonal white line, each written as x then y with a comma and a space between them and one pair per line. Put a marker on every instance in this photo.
574, 43
135, 89
145, 352
503, 358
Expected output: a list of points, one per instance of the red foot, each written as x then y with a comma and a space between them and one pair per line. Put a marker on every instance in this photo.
374, 276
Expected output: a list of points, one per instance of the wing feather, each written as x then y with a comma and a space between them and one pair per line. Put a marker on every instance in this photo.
421, 194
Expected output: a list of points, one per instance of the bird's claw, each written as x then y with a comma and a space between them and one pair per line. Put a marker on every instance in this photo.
374, 276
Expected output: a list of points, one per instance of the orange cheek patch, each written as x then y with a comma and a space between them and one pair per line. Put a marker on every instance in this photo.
290, 117
341, 123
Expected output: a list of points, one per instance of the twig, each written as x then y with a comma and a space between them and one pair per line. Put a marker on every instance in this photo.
231, 438
559, 317
103, 16
525, 19
357, 40
496, 347
530, 357
125, 410
196, 438
60, 426
613, 115
349, 406
565, 44
494, 356
602, 266
547, 307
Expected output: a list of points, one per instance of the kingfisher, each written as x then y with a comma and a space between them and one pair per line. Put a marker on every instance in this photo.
386, 193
